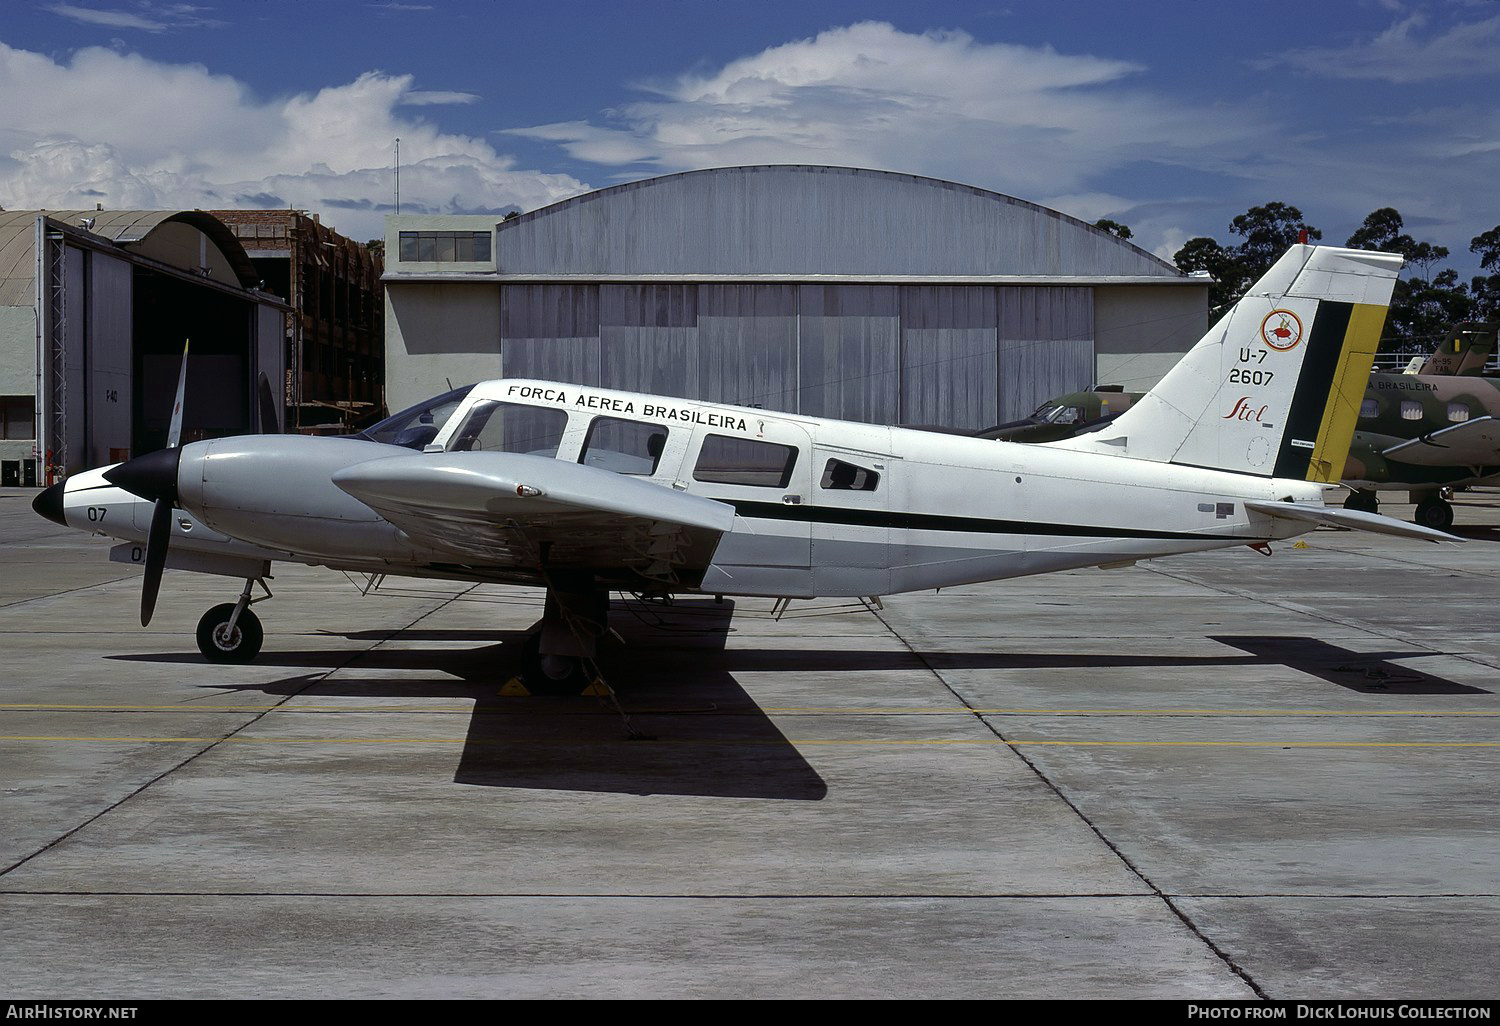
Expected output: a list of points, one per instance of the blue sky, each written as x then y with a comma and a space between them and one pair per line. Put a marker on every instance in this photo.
1169, 117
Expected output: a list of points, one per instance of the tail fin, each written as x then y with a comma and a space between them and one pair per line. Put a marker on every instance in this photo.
1465, 350
1274, 388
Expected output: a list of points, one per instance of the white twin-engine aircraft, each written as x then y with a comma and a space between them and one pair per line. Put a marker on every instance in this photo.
583, 491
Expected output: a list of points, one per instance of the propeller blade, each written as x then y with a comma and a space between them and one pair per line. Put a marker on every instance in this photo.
156, 557
270, 421
174, 432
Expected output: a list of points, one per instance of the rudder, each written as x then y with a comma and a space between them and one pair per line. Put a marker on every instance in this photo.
1275, 386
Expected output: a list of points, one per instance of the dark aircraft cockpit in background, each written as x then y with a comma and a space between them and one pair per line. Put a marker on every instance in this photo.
416, 426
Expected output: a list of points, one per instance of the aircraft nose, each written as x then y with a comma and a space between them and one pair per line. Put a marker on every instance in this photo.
49, 503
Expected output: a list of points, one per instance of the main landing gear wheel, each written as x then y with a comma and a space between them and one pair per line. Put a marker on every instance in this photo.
1362, 502
219, 644
551, 674
1435, 513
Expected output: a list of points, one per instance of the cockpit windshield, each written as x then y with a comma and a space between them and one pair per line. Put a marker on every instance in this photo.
1057, 413
416, 426
495, 426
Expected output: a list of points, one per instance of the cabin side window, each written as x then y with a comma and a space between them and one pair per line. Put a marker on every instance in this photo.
623, 446
841, 476
1411, 409
1368, 409
744, 461
493, 426
1458, 412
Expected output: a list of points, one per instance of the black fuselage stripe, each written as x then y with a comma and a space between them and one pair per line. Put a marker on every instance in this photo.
939, 522
1325, 345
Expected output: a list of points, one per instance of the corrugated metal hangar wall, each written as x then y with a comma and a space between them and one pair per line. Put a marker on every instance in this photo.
956, 355
834, 292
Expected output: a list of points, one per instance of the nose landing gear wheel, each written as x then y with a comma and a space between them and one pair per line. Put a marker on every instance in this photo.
221, 645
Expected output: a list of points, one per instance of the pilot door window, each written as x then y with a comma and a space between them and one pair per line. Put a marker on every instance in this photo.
623, 446
744, 461
511, 427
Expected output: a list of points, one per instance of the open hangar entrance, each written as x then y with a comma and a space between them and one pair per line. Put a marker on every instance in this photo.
116, 295
222, 369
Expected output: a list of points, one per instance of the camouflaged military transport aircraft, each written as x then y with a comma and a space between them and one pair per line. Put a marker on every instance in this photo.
582, 491
1422, 431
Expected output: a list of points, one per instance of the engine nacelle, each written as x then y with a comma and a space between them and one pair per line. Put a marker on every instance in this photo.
276, 491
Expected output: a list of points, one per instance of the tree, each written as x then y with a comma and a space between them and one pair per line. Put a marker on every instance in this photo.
1114, 228
1423, 306
1206, 255
1486, 288
1382, 230
1268, 231
1488, 248
1423, 311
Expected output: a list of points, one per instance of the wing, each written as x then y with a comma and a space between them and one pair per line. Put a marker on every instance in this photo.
1474, 443
531, 515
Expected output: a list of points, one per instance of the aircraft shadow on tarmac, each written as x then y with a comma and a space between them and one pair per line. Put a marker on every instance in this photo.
703, 734
1476, 532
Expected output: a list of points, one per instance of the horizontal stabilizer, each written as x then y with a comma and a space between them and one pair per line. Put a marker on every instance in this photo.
1331, 516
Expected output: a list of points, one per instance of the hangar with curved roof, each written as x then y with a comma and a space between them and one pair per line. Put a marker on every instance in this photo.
95, 307
841, 292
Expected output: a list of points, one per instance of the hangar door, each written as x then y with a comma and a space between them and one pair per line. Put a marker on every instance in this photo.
1046, 349
964, 356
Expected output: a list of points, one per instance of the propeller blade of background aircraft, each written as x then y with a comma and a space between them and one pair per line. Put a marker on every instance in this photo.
174, 432
270, 423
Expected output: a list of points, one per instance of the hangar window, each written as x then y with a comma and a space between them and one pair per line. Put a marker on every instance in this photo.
1458, 412
744, 461
511, 427
623, 446
1368, 409
17, 416
1411, 409
841, 476
445, 247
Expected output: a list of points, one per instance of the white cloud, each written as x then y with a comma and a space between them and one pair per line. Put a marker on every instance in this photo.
1089, 206
188, 138
1085, 134
1403, 53
1027, 120
428, 98
147, 16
